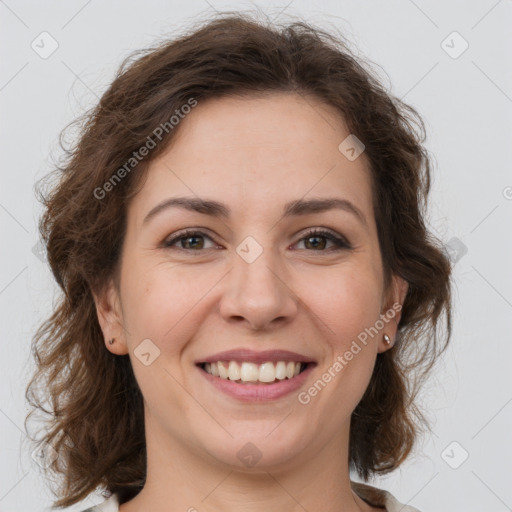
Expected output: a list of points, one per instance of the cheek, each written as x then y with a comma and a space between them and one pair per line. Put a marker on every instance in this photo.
158, 306
347, 300
165, 302
348, 303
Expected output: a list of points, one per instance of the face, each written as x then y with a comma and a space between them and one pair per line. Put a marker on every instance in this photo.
256, 278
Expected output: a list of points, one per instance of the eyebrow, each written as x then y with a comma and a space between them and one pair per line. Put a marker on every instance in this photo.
220, 210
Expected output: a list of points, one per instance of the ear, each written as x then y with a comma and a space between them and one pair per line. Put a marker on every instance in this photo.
392, 310
110, 318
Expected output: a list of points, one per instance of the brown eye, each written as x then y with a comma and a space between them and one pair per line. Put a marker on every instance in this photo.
316, 242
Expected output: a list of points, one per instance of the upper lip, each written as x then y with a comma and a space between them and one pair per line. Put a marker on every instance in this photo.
259, 357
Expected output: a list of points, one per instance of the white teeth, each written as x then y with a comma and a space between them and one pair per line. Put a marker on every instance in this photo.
252, 372
281, 370
223, 372
267, 372
233, 371
248, 371
290, 369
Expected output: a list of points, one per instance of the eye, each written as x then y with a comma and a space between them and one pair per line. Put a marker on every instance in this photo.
318, 234
191, 240
188, 235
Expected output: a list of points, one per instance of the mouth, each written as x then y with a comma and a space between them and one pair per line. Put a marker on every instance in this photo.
255, 383
248, 373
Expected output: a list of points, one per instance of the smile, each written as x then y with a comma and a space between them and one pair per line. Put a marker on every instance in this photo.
252, 382
251, 372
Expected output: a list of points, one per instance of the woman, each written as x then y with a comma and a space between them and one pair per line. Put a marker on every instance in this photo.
251, 297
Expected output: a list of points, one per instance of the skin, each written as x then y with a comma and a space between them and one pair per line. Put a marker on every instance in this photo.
204, 298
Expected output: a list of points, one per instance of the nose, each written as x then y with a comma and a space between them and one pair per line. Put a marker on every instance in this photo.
258, 293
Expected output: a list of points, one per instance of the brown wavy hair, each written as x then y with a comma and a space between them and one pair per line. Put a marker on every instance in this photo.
94, 436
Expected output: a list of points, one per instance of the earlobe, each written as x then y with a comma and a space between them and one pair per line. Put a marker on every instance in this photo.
110, 318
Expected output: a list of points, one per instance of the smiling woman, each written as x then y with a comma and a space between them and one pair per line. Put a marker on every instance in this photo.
257, 293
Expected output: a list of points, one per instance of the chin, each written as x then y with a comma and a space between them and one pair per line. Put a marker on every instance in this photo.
262, 450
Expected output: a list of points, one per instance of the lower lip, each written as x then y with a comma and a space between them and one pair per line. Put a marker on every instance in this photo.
259, 392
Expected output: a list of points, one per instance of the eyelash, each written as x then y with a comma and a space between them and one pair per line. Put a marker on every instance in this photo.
341, 243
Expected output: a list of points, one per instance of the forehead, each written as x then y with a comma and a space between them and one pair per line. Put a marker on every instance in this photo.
254, 153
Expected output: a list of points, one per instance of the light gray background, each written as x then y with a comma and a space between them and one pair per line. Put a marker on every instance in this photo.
467, 104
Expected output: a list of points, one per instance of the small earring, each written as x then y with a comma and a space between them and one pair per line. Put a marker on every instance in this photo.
111, 341
387, 339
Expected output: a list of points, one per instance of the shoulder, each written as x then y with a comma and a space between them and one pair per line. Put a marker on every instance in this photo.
380, 498
109, 505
